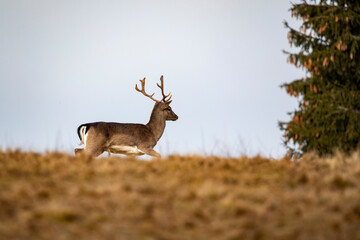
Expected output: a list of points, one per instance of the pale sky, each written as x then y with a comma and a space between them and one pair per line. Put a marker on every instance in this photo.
64, 63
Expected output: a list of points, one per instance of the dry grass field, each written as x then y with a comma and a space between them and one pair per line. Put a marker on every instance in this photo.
58, 196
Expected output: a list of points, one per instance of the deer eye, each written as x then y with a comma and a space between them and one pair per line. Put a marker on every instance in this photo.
167, 109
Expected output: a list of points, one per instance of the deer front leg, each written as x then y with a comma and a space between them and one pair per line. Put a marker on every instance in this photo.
151, 152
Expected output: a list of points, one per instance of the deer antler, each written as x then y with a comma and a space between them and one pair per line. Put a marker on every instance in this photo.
143, 90
162, 91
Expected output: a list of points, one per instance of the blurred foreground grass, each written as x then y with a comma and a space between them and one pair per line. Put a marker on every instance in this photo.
57, 196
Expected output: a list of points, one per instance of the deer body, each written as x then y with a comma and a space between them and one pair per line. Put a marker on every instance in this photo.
128, 138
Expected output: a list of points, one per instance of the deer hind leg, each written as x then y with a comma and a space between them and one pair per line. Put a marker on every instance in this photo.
78, 151
95, 148
95, 143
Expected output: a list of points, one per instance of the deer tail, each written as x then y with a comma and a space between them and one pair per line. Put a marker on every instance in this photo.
82, 132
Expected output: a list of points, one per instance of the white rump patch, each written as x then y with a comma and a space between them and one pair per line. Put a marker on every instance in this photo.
128, 150
83, 135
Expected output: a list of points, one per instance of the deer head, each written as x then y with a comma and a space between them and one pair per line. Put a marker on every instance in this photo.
162, 109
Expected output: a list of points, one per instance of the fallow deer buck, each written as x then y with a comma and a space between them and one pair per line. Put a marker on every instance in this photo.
128, 138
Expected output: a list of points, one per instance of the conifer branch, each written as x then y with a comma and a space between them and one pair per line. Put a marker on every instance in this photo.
345, 109
304, 35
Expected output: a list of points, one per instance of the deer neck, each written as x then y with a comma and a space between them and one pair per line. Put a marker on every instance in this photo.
156, 125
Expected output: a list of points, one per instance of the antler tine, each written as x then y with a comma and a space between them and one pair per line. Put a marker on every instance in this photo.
143, 90
169, 99
161, 86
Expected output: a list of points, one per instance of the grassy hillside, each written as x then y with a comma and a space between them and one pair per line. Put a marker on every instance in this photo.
57, 196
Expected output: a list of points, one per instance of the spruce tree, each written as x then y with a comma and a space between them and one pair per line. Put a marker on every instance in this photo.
327, 45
